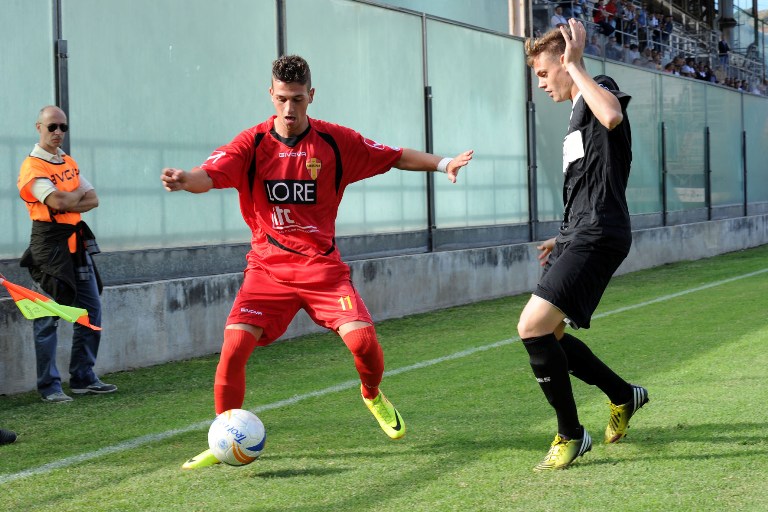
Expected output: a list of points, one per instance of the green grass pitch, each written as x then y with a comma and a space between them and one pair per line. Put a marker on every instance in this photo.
694, 333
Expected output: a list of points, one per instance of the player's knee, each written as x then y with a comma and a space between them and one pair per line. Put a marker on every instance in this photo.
361, 341
526, 329
231, 364
235, 351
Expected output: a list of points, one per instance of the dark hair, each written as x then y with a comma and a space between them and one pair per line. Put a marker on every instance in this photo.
292, 69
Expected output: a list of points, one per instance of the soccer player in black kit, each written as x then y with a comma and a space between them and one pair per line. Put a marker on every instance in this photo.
594, 239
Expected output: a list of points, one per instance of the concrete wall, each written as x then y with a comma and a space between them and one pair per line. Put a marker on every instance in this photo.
159, 321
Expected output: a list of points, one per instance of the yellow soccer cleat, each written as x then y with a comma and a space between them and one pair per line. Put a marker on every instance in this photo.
385, 413
563, 452
618, 423
202, 460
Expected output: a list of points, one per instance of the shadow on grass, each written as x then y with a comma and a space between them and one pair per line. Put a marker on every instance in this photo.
711, 433
719, 440
303, 472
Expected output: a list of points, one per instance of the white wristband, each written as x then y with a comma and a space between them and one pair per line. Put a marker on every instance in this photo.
443, 165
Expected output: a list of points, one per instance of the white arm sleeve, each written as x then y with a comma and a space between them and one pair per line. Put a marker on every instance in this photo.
42, 188
84, 185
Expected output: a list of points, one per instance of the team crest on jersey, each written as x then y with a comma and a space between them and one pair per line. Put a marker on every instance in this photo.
313, 166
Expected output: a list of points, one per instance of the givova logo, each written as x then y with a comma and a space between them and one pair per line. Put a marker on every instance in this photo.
288, 154
67, 175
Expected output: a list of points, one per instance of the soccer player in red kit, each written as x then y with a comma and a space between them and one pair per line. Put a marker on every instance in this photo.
290, 173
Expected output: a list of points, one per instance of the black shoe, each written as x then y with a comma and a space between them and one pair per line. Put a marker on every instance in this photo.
98, 388
6, 436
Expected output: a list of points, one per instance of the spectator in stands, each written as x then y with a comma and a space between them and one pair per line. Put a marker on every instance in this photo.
654, 29
593, 48
723, 50
670, 68
579, 9
557, 19
687, 68
711, 76
667, 26
613, 50
600, 16
655, 62
611, 8
701, 72
631, 53
641, 20
646, 56
629, 23
618, 19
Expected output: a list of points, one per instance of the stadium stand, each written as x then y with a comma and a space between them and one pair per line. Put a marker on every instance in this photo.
675, 32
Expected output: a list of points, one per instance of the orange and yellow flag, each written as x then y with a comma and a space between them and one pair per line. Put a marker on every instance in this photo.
35, 305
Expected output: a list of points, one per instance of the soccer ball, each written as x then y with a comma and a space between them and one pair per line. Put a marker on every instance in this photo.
237, 437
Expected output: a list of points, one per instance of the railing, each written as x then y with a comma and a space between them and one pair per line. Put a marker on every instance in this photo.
688, 37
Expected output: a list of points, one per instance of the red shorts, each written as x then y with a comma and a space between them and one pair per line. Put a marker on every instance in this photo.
271, 305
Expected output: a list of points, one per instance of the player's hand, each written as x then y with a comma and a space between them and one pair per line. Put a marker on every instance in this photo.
457, 163
545, 248
173, 179
575, 41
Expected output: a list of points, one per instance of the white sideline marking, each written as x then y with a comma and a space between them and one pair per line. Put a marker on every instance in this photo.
152, 438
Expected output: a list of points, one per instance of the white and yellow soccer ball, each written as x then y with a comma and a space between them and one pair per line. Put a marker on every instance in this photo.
237, 437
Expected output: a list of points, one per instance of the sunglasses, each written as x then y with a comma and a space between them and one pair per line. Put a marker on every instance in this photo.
63, 127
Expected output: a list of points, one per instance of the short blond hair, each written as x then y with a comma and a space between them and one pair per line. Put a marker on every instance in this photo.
552, 43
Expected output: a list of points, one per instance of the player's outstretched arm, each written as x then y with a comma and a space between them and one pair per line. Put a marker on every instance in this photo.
413, 160
196, 181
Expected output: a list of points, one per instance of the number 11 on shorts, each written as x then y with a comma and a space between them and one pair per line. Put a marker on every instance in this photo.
346, 303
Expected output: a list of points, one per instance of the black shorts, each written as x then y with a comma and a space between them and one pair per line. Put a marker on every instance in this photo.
576, 275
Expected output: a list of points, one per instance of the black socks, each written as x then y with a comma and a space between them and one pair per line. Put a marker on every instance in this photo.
586, 366
550, 367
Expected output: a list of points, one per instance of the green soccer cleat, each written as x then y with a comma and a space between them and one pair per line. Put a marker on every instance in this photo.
202, 460
618, 423
563, 452
385, 413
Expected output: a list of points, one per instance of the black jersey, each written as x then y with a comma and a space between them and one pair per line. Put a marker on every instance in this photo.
596, 164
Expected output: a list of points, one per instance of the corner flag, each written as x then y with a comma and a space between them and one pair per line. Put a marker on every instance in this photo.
34, 305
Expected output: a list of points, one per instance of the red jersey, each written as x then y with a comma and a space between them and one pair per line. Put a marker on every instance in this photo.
290, 191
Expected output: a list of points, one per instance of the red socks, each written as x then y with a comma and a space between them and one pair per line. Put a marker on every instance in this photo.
229, 386
369, 359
